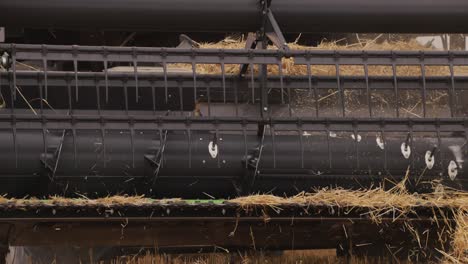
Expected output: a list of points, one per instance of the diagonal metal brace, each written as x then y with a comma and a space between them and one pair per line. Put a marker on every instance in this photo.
273, 32
269, 30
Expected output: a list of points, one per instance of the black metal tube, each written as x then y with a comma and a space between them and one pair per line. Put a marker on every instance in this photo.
115, 165
158, 15
400, 16
240, 15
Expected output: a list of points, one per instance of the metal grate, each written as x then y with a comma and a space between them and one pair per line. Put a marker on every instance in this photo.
83, 118
175, 88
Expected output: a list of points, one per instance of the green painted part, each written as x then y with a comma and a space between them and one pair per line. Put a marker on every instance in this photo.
219, 201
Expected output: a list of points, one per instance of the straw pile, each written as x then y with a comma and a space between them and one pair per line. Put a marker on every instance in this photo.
378, 201
381, 202
459, 252
288, 66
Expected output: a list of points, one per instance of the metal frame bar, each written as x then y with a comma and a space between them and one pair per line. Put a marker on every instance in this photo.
143, 122
91, 79
174, 55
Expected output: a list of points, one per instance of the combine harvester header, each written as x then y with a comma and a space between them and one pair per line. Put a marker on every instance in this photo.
193, 123
177, 130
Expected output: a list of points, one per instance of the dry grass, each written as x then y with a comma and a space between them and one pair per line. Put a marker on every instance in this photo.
381, 202
290, 68
459, 252
373, 198
378, 201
